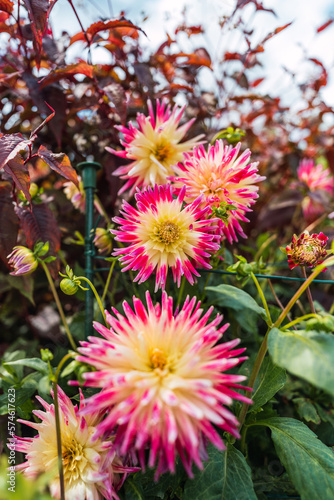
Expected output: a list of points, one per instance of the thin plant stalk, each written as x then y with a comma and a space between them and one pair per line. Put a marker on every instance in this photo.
183, 282
58, 427
299, 320
263, 299
106, 288
308, 291
278, 301
59, 306
96, 295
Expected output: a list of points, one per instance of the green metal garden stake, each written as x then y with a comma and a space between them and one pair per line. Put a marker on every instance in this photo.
89, 169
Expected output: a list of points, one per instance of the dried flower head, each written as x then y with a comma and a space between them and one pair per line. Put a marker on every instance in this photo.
154, 146
162, 235
92, 470
163, 381
307, 250
224, 180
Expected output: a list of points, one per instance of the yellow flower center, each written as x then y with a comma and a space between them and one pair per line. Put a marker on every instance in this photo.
72, 456
167, 232
162, 152
158, 359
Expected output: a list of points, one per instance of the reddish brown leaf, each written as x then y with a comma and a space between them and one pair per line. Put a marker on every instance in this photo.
10, 145
256, 82
233, 56
9, 223
39, 11
190, 30
20, 175
200, 57
60, 163
73, 69
126, 28
324, 26
39, 224
6, 6
275, 32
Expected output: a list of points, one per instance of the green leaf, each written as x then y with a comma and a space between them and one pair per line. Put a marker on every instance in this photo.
226, 476
24, 284
309, 463
270, 380
309, 355
307, 410
35, 363
234, 298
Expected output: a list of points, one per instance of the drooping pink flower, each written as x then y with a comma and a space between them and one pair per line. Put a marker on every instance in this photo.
163, 381
223, 179
92, 470
307, 250
162, 235
154, 146
76, 194
319, 183
23, 260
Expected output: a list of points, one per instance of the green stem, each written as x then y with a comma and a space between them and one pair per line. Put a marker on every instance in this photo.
58, 427
205, 285
183, 282
59, 306
106, 288
96, 295
308, 291
299, 320
255, 371
264, 302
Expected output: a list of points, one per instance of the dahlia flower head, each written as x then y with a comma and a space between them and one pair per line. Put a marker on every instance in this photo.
163, 235
154, 146
222, 178
307, 250
163, 381
92, 470
319, 182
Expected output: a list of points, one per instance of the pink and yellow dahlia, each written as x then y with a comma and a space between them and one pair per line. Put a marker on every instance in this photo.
162, 235
307, 250
163, 381
222, 179
154, 146
319, 183
92, 470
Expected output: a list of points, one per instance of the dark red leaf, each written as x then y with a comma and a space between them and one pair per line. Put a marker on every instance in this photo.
10, 145
39, 11
20, 175
60, 163
6, 6
324, 26
39, 224
73, 69
275, 32
9, 223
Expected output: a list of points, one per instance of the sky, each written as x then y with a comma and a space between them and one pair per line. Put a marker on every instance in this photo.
285, 49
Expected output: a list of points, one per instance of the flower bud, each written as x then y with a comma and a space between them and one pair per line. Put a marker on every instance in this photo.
23, 260
103, 240
68, 286
77, 196
307, 250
